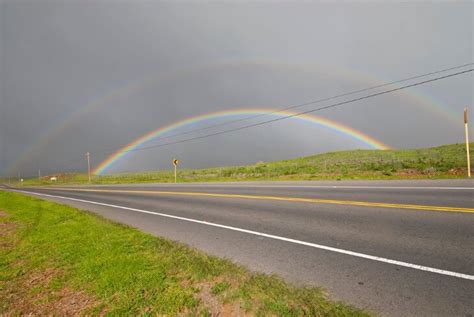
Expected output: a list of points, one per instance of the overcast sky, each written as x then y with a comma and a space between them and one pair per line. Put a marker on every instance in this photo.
78, 76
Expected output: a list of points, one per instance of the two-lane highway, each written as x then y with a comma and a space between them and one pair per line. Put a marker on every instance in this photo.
397, 248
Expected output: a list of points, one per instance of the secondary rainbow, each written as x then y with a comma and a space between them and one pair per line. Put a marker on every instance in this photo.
57, 130
369, 141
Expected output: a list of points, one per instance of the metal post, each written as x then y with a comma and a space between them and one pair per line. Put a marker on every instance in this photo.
175, 163
39, 175
89, 165
175, 174
466, 133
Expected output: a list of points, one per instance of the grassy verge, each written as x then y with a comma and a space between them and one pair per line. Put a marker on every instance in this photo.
58, 260
448, 161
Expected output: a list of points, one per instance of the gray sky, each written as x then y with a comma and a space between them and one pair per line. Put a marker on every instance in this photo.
78, 76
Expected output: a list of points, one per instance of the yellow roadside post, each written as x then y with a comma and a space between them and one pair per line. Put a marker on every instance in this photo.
175, 163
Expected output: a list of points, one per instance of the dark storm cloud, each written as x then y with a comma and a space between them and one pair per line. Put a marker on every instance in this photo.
57, 57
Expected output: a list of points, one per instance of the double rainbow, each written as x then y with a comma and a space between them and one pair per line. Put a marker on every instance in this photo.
56, 131
319, 121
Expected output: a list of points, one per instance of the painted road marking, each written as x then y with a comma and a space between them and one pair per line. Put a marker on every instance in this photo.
293, 186
271, 236
278, 198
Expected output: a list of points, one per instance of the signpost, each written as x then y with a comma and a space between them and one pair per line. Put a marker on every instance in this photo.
466, 132
175, 163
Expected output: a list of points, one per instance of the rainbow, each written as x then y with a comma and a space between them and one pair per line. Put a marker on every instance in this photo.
56, 131
154, 134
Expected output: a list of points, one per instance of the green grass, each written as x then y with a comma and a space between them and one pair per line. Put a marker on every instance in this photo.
59, 260
448, 161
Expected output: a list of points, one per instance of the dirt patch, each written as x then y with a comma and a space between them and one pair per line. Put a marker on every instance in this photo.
42, 278
71, 302
208, 299
458, 171
33, 295
409, 173
215, 308
7, 228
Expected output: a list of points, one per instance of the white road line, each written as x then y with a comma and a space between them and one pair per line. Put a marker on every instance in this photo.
293, 186
271, 236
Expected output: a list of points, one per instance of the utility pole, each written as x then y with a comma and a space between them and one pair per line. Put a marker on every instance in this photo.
39, 175
466, 133
89, 165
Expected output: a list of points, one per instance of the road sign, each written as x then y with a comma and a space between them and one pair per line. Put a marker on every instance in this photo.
175, 163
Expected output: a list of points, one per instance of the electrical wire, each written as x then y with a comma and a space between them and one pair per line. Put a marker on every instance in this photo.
229, 122
301, 113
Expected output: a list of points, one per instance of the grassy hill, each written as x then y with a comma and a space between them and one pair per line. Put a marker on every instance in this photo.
447, 161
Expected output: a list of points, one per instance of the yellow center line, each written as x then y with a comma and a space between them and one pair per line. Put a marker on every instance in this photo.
279, 198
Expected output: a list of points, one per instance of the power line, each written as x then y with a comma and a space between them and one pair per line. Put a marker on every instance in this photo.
105, 152
304, 112
112, 150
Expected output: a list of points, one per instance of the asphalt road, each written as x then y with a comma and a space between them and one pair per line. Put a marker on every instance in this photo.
397, 248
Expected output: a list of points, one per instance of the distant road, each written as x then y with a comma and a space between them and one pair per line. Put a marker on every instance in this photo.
398, 248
